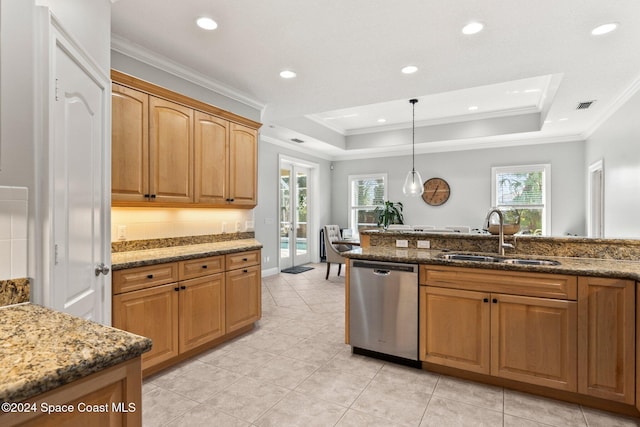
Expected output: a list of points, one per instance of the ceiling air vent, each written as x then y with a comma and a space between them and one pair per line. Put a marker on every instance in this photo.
299, 141
585, 105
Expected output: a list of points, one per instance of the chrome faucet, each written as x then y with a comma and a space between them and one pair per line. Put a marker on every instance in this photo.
501, 243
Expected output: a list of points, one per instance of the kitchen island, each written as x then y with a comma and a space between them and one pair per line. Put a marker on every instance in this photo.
567, 330
57, 368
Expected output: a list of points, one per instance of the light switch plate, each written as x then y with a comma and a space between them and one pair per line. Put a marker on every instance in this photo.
402, 243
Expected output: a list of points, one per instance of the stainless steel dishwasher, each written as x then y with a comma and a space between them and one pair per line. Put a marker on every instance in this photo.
383, 308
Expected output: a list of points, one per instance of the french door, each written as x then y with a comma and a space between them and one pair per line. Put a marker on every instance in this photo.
294, 214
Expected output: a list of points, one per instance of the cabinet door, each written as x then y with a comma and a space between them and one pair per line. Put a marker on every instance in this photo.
606, 338
211, 159
170, 151
152, 313
243, 297
243, 165
455, 328
202, 313
534, 340
129, 144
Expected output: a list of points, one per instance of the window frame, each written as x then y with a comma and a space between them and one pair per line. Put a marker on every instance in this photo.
545, 168
353, 209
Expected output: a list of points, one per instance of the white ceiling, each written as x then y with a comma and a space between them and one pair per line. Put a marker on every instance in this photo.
525, 72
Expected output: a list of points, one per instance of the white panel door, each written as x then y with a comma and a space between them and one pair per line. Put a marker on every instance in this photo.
78, 194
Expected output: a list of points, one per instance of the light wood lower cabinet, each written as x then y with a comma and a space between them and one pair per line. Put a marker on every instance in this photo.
112, 397
243, 297
152, 313
527, 339
606, 338
204, 302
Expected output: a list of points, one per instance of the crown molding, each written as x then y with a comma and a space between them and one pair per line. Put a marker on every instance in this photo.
125, 47
613, 107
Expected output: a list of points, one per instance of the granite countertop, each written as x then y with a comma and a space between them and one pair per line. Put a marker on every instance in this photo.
622, 269
41, 349
139, 258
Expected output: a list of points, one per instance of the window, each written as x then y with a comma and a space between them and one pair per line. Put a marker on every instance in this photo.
365, 193
526, 189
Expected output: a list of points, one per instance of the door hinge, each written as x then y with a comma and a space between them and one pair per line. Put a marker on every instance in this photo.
55, 254
57, 89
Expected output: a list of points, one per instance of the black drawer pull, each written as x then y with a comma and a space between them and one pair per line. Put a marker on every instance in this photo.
146, 196
183, 287
149, 276
486, 300
245, 271
204, 266
176, 289
245, 259
495, 300
153, 196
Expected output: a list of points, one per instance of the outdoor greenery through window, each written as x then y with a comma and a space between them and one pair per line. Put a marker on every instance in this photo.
366, 192
525, 189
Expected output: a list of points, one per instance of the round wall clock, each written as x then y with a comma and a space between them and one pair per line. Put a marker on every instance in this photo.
436, 191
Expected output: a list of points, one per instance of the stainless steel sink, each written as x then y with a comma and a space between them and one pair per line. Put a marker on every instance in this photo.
489, 258
525, 261
468, 257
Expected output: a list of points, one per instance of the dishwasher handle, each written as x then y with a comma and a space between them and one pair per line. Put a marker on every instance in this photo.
381, 272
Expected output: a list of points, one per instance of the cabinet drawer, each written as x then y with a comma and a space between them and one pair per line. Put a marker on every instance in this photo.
136, 278
507, 282
200, 267
242, 259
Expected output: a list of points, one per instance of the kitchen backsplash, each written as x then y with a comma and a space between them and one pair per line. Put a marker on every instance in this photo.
160, 223
13, 232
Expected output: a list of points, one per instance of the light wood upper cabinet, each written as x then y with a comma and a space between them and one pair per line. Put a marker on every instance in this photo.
170, 151
211, 159
243, 165
129, 144
606, 338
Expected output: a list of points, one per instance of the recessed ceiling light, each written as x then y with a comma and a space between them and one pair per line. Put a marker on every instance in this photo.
287, 74
382, 120
473, 108
472, 28
206, 23
604, 29
409, 69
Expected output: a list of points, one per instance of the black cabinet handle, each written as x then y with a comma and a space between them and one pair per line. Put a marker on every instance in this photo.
149, 276
183, 287
153, 196
204, 266
176, 289
245, 259
146, 196
495, 300
486, 300
245, 271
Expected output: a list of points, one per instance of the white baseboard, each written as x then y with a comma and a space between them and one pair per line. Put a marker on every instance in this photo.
270, 272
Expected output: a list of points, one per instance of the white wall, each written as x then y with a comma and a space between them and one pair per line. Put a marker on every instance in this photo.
617, 143
469, 175
266, 213
88, 21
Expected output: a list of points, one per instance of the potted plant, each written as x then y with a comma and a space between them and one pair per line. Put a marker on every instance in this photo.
390, 213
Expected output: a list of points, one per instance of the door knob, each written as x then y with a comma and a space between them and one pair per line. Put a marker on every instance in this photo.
101, 268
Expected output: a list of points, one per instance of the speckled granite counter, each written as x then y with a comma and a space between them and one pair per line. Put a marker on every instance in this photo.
14, 291
130, 259
623, 269
41, 349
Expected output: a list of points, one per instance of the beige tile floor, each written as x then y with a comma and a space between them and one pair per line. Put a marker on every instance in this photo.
294, 369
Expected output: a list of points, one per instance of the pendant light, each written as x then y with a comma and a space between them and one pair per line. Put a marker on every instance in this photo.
413, 184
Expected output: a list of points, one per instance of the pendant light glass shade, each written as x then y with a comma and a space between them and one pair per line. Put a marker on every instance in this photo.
413, 183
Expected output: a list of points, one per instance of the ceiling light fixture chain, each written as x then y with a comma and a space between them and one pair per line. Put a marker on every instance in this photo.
413, 183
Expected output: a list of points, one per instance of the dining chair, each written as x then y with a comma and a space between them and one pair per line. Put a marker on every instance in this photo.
331, 234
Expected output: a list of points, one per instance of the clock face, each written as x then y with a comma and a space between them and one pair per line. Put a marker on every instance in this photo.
436, 191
